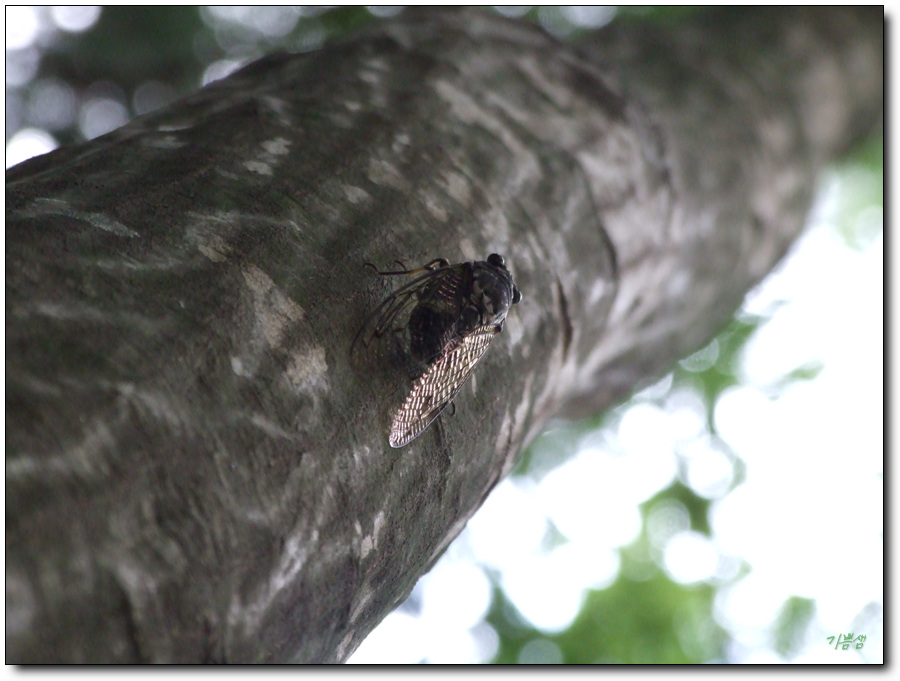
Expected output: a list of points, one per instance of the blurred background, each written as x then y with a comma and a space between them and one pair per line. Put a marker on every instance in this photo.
732, 512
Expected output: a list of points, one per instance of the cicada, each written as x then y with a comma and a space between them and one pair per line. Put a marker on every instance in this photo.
449, 315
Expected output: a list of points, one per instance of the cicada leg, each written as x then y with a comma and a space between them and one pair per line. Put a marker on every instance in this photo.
435, 264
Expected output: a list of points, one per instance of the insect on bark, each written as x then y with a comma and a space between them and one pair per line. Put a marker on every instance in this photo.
451, 314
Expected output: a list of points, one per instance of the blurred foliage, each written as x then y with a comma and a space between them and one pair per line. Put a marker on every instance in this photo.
556, 445
791, 625
696, 506
860, 218
660, 15
130, 44
713, 369
649, 621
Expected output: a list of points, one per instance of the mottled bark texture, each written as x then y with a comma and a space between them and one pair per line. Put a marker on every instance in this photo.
194, 469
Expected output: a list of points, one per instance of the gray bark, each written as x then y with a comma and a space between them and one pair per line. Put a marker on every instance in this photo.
195, 470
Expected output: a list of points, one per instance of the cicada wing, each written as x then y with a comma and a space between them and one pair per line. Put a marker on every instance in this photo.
395, 307
392, 313
437, 387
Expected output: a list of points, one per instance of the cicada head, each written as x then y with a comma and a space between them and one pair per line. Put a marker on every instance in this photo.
493, 292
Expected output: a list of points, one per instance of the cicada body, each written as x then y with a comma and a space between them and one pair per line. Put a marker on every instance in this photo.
451, 314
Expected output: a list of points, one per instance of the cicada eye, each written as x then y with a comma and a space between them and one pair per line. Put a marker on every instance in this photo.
517, 295
496, 260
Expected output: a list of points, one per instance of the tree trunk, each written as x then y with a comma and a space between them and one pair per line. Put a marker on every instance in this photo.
195, 469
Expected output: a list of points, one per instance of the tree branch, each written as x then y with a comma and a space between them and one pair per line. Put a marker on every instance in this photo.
196, 472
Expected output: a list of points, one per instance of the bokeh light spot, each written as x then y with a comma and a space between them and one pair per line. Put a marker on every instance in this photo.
690, 557
100, 116
540, 651
27, 143
52, 104
22, 27
75, 18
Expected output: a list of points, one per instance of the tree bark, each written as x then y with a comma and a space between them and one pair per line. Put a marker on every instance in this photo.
195, 469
